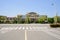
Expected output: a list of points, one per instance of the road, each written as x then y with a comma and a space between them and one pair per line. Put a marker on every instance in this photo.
33, 33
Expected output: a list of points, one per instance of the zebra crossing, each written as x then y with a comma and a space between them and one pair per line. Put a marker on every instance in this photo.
22, 28
7, 29
55, 32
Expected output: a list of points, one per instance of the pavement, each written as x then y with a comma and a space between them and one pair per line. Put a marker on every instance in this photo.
34, 32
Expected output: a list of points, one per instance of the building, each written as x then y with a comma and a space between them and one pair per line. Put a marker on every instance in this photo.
32, 17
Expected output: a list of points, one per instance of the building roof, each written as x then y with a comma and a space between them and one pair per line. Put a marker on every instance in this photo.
32, 13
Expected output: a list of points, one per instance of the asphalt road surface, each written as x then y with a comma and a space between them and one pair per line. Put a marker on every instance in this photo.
33, 33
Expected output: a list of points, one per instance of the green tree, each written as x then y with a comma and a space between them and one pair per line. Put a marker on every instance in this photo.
42, 19
2, 19
7, 22
50, 20
14, 20
55, 19
19, 18
27, 20
58, 19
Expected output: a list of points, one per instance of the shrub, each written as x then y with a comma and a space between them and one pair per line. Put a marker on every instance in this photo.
54, 25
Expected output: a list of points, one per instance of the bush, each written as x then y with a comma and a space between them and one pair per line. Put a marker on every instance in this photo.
54, 25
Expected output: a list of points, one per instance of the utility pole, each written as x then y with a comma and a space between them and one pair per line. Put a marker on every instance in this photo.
56, 15
56, 18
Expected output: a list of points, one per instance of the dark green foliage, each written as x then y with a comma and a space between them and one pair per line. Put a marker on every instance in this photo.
50, 20
58, 20
7, 22
15, 21
54, 25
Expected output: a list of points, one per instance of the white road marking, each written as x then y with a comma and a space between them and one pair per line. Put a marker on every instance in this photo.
27, 28
25, 34
23, 28
7, 29
20, 28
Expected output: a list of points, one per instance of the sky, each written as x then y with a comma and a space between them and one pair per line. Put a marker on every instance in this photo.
12, 8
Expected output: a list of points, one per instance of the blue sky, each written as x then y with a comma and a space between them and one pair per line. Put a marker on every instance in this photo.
43, 7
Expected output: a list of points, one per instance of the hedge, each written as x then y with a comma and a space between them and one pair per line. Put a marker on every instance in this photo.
54, 25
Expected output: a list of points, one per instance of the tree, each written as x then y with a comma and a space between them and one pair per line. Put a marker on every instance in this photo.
50, 20
8, 22
27, 20
15, 21
55, 19
58, 19
42, 19
19, 18
2, 19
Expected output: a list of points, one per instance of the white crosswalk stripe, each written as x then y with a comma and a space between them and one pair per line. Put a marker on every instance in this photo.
20, 28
